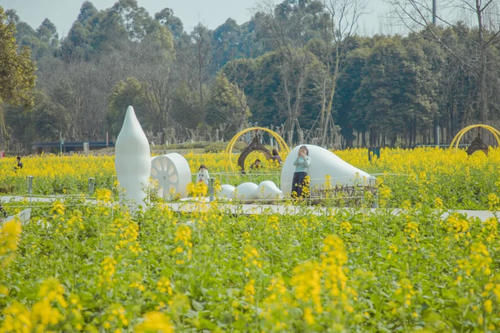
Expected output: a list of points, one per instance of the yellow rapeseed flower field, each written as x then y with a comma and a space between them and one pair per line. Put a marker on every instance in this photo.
97, 266
415, 175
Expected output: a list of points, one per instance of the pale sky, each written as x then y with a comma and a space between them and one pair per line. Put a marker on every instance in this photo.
211, 13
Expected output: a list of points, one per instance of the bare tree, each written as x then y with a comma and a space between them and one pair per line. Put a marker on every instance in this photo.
286, 29
201, 40
483, 15
156, 75
342, 23
80, 90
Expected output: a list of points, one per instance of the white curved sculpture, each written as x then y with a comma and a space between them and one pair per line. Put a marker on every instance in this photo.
268, 190
132, 160
323, 163
226, 191
172, 173
246, 191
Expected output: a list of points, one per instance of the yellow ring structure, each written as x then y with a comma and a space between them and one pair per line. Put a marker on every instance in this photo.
460, 134
229, 148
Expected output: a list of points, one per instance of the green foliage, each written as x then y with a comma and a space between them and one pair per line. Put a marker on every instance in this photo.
286, 62
17, 77
227, 108
43, 122
186, 107
348, 84
17, 70
167, 18
125, 93
216, 271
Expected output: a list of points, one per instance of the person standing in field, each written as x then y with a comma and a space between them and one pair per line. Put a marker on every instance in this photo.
276, 156
19, 163
203, 175
257, 164
302, 164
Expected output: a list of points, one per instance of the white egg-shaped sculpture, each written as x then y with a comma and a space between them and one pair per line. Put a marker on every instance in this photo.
268, 190
246, 191
172, 173
323, 163
132, 160
226, 191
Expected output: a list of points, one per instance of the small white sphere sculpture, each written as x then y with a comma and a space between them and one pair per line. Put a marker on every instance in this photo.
132, 160
172, 173
268, 190
226, 191
246, 191
323, 163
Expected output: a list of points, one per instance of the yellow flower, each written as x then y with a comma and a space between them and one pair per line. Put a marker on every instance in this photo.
308, 316
493, 202
306, 281
52, 290
393, 248
107, 271
183, 235
103, 195
275, 306
252, 257
164, 286
488, 306
45, 314
273, 222
58, 208
384, 194
411, 229
332, 260
115, 316
345, 226
9, 236
438, 203
249, 291
16, 319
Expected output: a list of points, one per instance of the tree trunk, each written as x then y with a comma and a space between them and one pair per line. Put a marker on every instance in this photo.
483, 94
328, 112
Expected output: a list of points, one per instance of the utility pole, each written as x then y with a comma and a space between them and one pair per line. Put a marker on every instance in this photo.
434, 12
436, 120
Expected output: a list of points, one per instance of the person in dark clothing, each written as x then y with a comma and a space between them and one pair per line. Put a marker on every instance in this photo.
19, 163
276, 156
302, 164
257, 164
3, 212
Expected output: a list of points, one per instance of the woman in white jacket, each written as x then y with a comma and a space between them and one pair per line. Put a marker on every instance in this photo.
203, 175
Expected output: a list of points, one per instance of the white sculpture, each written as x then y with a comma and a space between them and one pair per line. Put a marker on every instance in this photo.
172, 173
323, 163
246, 191
250, 191
132, 160
226, 191
268, 190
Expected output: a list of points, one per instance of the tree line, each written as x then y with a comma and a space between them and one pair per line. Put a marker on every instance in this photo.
297, 67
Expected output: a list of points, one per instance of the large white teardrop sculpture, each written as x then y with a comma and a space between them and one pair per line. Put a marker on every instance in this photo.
172, 173
323, 163
132, 160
